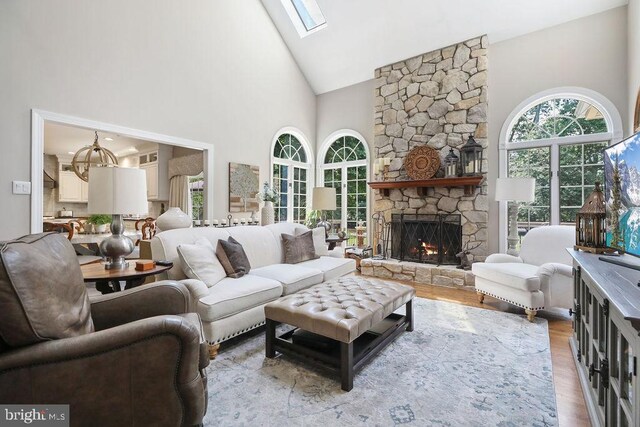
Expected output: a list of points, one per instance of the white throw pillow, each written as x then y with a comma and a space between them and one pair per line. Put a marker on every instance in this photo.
319, 243
199, 262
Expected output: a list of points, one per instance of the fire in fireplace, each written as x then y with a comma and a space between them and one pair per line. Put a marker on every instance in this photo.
426, 238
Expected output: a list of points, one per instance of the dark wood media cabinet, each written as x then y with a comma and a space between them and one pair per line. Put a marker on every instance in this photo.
606, 341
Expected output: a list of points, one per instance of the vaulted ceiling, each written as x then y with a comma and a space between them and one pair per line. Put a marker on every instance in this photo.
363, 35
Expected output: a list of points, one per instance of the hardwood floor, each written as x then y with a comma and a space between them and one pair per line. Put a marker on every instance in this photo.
571, 406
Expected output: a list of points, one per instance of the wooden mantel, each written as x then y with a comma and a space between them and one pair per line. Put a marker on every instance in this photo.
468, 182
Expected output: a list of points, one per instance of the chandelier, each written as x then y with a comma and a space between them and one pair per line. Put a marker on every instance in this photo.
92, 156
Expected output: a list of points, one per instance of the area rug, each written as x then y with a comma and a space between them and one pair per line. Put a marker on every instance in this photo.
461, 366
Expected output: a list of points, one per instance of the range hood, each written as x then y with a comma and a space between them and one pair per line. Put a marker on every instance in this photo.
48, 182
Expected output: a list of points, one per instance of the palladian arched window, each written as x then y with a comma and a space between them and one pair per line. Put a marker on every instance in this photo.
290, 176
558, 140
344, 167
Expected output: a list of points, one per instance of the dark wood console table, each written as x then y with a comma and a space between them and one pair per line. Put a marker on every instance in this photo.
605, 342
108, 281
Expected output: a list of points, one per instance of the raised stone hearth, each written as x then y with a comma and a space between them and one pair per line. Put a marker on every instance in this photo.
438, 99
449, 276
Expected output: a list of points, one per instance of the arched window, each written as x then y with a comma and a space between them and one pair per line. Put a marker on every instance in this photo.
290, 173
558, 139
344, 167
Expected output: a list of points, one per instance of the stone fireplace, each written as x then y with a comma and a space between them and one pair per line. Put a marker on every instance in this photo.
437, 99
426, 238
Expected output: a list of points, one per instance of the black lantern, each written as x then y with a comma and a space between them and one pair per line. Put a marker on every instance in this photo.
451, 162
590, 224
471, 154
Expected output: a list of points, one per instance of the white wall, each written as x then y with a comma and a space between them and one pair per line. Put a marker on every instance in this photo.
590, 52
211, 71
633, 49
347, 108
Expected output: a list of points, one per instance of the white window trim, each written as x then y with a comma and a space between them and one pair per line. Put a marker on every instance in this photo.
297, 22
38, 119
320, 167
610, 114
309, 165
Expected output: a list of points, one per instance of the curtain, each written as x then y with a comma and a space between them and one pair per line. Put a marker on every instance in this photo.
186, 165
179, 196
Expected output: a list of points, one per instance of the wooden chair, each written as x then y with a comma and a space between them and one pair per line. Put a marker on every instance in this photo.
147, 228
78, 225
59, 228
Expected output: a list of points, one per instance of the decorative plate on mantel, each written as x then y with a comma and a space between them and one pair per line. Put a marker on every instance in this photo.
422, 162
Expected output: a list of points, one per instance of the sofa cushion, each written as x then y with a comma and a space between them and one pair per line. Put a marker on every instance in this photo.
232, 296
516, 275
164, 245
319, 240
260, 245
292, 277
331, 267
42, 293
233, 258
199, 261
298, 248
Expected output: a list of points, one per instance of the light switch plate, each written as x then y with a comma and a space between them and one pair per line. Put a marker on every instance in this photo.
21, 187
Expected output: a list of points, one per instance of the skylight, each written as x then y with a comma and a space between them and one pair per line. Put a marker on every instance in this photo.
305, 15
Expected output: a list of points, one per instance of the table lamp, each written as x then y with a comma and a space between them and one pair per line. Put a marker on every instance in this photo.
514, 190
117, 191
324, 199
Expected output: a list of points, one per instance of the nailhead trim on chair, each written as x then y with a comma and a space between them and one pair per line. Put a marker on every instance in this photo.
257, 325
509, 301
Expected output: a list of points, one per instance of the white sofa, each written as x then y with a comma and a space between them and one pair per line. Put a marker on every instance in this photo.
540, 277
233, 306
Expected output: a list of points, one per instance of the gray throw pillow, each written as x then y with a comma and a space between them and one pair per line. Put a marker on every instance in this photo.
298, 248
233, 258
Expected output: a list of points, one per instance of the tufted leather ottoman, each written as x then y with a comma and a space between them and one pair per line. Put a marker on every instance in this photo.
356, 312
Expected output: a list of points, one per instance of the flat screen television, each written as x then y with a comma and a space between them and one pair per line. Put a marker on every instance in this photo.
622, 195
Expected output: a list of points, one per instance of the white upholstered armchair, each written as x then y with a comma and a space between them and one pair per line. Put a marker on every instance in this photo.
540, 277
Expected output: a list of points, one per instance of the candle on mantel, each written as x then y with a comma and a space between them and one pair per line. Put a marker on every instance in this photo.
387, 161
376, 168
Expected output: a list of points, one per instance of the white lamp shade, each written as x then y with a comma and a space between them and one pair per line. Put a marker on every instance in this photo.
324, 199
515, 189
117, 191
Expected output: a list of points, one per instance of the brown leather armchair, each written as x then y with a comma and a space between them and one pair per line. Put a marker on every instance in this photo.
128, 358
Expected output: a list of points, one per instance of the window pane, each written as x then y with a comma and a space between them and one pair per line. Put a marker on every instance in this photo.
345, 149
352, 173
593, 174
557, 118
570, 155
577, 181
593, 153
535, 163
571, 196
571, 175
289, 148
309, 13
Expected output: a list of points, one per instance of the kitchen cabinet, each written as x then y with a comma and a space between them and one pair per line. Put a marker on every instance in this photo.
156, 165
71, 188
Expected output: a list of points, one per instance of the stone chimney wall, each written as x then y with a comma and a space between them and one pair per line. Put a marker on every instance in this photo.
438, 99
